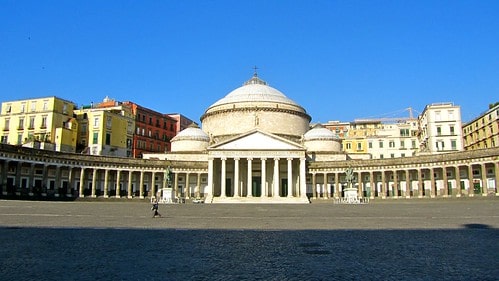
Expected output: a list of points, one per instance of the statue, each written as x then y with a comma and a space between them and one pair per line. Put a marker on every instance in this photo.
168, 176
349, 176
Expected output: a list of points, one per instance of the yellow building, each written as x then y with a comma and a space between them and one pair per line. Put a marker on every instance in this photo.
483, 131
105, 129
45, 123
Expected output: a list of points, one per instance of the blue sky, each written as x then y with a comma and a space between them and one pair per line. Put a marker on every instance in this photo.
340, 60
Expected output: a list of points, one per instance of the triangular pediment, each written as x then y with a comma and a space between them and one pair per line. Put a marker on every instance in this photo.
257, 140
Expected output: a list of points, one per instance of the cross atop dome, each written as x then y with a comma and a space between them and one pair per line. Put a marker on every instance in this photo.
255, 79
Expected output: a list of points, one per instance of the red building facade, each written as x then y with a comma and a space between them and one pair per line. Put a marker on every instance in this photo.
153, 130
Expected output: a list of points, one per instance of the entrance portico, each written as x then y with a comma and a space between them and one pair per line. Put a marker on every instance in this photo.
243, 170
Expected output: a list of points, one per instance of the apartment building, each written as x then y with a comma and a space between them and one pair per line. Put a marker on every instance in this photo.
105, 129
394, 140
45, 123
153, 130
440, 129
483, 131
182, 122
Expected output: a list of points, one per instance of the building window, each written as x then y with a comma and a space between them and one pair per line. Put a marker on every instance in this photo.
402, 144
413, 143
33, 106
21, 123
392, 155
4, 139
31, 122
370, 145
44, 122
109, 122
359, 146
23, 107
381, 156
391, 144
96, 122
95, 138
6, 124
404, 132
451, 114
453, 144
380, 144
45, 105
108, 138
439, 131
65, 108
348, 146
452, 130
437, 116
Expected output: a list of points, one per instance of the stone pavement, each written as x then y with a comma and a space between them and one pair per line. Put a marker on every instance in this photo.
382, 214
427, 239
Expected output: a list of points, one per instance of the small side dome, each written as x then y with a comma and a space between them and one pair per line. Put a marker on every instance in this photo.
321, 139
190, 139
320, 133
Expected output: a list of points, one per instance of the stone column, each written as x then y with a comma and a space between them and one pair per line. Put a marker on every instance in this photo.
209, 188
106, 179
336, 185
420, 183
141, 185
303, 179
223, 178
153, 184
250, 180
130, 191
175, 189
263, 179
94, 182
188, 187
18, 176
31, 183
433, 184
198, 186
290, 177
275, 191
458, 181
359, 182
496, 173
314, 186
5, 169
236, 178
485, 187
44, 176
69, 190
383, 185
408, 185
446, 184
470, 181
326, 189
57, 180
82, 179
372, 185
118, 188
395, 188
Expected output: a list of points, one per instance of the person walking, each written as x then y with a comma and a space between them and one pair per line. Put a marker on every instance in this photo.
155, 207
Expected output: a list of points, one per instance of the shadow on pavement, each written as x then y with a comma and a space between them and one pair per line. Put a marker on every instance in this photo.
470, 253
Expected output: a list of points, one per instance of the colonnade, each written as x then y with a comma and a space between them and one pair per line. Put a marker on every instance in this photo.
432, 181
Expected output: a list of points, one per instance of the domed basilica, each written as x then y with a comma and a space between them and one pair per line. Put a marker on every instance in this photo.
256, 142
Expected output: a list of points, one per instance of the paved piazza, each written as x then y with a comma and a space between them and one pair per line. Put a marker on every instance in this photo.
417, 239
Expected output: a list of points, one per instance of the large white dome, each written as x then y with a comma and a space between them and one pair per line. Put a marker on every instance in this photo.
255, 105
255, 90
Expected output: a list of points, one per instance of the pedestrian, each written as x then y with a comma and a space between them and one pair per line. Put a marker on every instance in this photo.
155, 207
